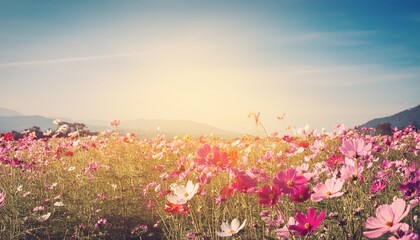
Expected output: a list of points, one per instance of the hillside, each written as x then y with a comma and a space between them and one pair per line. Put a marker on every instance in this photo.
142, 127
4, 112
176, 127
19, 123
400, 120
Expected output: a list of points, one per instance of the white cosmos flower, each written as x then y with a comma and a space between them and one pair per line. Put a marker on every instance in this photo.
38, 209
44, 217
183, 194
71, 169
230, 229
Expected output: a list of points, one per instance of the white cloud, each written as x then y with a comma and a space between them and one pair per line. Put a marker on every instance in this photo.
73, 59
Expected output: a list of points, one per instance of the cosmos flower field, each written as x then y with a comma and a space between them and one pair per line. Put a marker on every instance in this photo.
345, 184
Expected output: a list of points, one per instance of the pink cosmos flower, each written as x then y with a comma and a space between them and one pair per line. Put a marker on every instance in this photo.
404, 233
92, 166
351, 172
227, 192
284, 232
318, 146
355, 148
212, 156
8, 137
377, 186
204, 154
115, 123
176, 208
289, 180
307, 223
269, 195
334, 160
244, 183
100, 223
387, 219
330, 189
2, 198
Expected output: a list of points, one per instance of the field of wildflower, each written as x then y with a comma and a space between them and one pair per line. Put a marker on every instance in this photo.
345, 184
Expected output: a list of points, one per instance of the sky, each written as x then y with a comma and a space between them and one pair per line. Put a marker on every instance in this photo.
320, 63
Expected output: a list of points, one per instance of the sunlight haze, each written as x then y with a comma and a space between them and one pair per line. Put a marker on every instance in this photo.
320, 62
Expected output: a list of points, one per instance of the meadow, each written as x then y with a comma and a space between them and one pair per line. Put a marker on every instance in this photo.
344, 184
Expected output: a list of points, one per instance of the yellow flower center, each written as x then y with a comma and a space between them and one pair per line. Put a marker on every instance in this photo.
185, 194
328, 193
301, 196
289, 183
271, 196
307, 225
232, 231
389, 224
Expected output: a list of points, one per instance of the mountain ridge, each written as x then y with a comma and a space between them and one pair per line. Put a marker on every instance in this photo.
399, 120
5, 112
142, 127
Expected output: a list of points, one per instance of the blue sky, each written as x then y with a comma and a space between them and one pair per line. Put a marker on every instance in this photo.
319, 62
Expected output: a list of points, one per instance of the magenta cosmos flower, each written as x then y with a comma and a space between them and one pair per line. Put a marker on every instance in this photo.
307, 224
289, 181
269, 195
387, 219
355, 148
330, 189
301, 194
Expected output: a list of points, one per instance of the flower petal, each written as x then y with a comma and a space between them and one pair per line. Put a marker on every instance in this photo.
223, 234
311, 215
375, 233
235, 224
301, 218
373, 223
384, 212
398, 207
242, 226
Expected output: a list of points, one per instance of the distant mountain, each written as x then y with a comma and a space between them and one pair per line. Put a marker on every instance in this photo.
4, 112
176, 127
142, 127
169, 128
19, 123
400, 120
